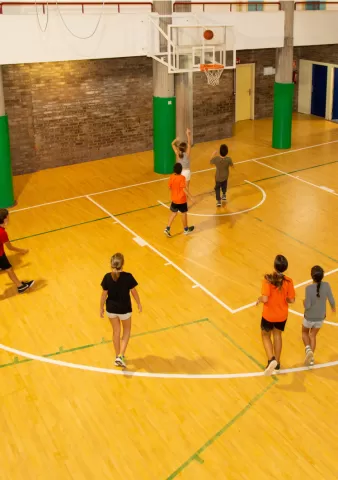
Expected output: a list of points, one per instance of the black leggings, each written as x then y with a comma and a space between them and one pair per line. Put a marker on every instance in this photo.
221, 186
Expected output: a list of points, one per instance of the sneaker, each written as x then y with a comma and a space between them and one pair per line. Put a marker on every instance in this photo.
271, 366
277, 368
224, 198
218, 204
188, 230
308, 357
312, 362
120, 361
167, 232
25, 286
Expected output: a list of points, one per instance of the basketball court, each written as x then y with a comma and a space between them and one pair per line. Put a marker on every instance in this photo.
193, 402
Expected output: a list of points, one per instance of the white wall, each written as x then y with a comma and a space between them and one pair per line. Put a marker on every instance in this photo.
316, 27
122, 35
22, 41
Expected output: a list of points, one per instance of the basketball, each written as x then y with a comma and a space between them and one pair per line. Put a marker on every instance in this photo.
208, 34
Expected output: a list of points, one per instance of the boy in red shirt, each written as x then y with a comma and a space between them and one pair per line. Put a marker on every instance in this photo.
179, 193
5, 266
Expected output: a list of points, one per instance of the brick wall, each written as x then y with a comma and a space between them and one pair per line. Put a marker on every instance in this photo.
70, 112
318, 53
214, 107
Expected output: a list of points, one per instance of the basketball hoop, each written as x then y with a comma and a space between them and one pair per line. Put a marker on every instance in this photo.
213, 72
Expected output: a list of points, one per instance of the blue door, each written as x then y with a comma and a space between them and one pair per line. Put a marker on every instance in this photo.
319, 86
335, 96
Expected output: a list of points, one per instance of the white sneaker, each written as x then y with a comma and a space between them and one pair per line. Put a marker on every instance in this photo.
270, 367
120, 362
308, 357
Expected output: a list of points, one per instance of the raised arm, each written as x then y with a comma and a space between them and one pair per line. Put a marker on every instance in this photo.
189, 141
212, 157
174, 146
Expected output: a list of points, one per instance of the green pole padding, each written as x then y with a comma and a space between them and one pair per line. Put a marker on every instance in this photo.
164, 121
6, 178
282, 115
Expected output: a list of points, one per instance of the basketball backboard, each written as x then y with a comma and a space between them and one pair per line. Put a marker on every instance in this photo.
178, 41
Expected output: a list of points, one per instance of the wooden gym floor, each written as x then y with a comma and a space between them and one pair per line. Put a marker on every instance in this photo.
198, 406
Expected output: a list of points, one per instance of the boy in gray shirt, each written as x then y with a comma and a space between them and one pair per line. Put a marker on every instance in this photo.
316, 296
222, 163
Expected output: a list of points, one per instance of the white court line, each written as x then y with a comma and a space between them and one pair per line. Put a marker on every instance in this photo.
119, 188
164, 257
126, 373
227, 214
166, 178
307, 282
334, 324
296, 178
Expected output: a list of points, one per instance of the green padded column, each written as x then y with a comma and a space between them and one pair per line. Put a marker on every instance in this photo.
282, 115
6, 179
164, 120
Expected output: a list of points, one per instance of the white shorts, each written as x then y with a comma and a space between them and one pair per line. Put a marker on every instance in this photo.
121, 316
187, 175
312, 323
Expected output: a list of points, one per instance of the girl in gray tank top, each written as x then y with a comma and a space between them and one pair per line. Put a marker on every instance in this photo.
182, 152
316, 296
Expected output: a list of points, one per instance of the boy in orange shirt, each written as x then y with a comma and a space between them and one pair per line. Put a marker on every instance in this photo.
277, 292
179, 193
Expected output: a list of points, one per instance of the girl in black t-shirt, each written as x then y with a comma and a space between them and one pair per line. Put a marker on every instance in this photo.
117, 286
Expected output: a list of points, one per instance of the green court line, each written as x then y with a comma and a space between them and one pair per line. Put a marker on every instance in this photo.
231, 340
292, 171
196, 455
61, 350
61, 228
158, 205
297, 240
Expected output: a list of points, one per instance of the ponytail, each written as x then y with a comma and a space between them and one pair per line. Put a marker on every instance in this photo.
181, 154
115, 274
117, 262
317, 274
276, 279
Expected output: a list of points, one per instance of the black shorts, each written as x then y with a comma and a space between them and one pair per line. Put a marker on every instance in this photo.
4, 263
269, 326
179, 207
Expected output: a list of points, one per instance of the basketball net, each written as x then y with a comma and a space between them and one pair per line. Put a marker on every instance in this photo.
213, 72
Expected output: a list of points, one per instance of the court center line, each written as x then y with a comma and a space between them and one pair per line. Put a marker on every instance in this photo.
166, 178
167, 260
62, 351
294, 177
240, 414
